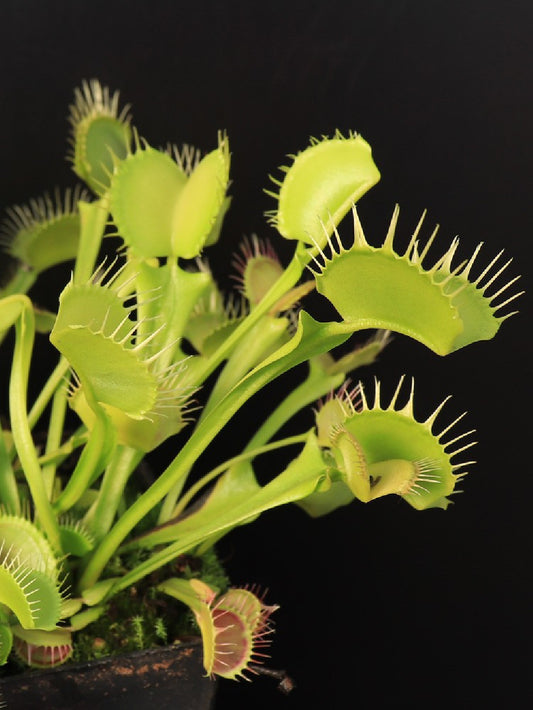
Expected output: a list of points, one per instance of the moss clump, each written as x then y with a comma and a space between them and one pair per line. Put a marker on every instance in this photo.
140, 617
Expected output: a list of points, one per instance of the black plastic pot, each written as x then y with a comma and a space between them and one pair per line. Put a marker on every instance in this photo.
170, 677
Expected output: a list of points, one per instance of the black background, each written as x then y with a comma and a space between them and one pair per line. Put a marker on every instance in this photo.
382, 606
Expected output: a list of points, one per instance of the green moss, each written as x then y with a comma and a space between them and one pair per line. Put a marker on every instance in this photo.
139, 617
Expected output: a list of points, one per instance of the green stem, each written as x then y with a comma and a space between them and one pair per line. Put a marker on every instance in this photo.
87, 466
298, 480
169, 502
48, 391
245, 456
21, 282
102, 513
179, 467
156, 561
286, 281
53, 440
262, 339
18, 384
9, 496
175, 293
78, 439
320, 337
302, 396
93, 218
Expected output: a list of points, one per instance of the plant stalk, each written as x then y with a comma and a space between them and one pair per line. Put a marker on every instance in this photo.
102, 513
18, 391
245, 456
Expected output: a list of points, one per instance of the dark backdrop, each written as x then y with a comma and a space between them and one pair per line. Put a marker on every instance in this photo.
382, 606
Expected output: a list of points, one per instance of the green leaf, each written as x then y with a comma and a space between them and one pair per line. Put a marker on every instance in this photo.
375, 287
44, 320
199, 210
94, 333
75, 539
95, 594
178, 292
22, 540
143, 193
113, 373
31, 595
264, 338
100, 135
327, 499
381, 450
6, 638
248, 500
45, 232
321, 186
160, 211
70, 606
10, 309
85, 617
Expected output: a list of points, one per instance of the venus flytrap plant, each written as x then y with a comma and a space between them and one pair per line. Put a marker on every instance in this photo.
438, 306
234, 626
138, 337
